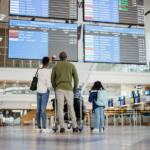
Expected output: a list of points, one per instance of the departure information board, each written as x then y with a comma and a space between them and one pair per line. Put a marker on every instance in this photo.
114, 45
66, 9
115, 11
35, 39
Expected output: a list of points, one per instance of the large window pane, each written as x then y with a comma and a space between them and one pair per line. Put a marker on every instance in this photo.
1, 60
8, 62
2, 34
2, 51
100, 67
35, 63
17, 63
108, 67
26, 63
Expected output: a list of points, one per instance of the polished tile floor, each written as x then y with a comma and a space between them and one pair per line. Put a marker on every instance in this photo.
114, 138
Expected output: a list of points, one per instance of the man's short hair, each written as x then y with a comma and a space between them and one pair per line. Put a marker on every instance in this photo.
63, 56
45, 60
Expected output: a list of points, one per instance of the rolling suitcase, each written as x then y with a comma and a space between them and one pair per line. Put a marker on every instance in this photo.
93, 120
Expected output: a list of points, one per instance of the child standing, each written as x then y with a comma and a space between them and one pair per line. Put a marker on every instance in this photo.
98, 109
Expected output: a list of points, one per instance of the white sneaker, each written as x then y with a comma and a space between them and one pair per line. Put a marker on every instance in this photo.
102, 130
46, 130
95, 130
39, 130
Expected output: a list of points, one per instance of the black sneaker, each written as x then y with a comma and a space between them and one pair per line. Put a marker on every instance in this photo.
62, 130
75, 129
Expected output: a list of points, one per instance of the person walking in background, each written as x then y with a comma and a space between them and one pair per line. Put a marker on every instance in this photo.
61, 79
43, 89
98, 109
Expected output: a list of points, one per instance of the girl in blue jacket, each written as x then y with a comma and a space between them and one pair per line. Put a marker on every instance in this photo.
98, 109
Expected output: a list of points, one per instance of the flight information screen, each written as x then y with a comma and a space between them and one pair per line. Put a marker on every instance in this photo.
66, 9
35, 39
114, 45
115, 11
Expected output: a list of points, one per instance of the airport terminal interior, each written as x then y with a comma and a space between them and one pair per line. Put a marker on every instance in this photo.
106, 41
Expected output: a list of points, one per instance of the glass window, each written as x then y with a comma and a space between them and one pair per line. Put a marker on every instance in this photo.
17, 63
1, 60
100, 67
108, 67
2, 51
35, 63
26, 63
8, 62
2, 35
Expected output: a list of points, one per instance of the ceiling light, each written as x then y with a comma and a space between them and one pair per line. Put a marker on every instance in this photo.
2, 16
1, 39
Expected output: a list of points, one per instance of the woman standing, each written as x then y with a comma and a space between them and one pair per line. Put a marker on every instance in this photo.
98, 109
43, 89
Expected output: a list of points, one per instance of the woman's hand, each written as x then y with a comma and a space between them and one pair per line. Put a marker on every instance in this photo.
51, 58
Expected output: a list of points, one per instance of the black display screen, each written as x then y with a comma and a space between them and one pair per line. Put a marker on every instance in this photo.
36, 39
66, 9
106, 44
115, 11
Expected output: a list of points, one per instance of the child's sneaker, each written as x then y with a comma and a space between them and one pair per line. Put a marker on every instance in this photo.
46, 130
39, 130
95, 130
102, 130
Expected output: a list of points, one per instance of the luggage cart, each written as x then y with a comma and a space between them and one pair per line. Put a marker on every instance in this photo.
69, 122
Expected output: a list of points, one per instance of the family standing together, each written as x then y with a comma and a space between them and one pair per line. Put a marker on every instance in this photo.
61, 82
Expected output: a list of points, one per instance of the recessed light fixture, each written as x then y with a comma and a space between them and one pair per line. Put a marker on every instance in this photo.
2, 16
1, 39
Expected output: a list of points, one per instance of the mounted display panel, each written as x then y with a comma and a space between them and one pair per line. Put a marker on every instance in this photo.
59, 9
35, 39
106, 44
110, 103
115, 11
122, 100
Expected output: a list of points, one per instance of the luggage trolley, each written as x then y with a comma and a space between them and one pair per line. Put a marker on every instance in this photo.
68, 121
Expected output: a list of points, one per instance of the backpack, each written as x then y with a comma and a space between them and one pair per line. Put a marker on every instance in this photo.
102, 97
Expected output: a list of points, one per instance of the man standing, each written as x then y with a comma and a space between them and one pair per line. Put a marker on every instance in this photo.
61, 79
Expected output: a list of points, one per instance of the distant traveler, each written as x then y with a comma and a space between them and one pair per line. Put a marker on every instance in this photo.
98, 109
43, 89
61, 79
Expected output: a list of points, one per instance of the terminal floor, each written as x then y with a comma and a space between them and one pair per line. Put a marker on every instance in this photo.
114, 138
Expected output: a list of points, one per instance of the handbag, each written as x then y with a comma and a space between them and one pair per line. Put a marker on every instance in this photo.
34, 82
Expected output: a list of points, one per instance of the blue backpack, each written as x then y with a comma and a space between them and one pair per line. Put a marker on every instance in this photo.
102, 97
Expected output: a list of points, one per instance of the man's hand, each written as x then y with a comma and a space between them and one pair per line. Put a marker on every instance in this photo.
75, 90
